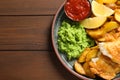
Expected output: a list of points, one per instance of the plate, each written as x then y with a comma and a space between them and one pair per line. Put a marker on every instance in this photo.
59, 17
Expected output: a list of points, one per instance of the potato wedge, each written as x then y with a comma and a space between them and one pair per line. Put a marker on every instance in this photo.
109, 1
100, 1
99, 33
87, 70
117, 15
95, 47
78, 68
82, 58
92, 53
106, 1
109, 26
96, 33
118, 2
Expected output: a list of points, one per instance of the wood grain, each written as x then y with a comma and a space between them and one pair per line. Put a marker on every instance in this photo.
34, 65
25, 42
25, 32
29, 7
31, 65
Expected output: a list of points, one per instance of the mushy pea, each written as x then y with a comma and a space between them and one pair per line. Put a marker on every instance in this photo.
72, 39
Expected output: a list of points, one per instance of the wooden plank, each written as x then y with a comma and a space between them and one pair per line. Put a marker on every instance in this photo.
31, 65
25, 32
29, 7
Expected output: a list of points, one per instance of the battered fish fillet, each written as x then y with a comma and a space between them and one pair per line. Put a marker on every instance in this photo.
107, 64
104, 67
111, 49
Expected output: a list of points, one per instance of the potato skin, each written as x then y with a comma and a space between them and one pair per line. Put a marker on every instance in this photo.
82, 58
86, 67
106, 1
78, 68
100, 32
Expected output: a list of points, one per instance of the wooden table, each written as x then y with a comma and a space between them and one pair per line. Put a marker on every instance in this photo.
25, 47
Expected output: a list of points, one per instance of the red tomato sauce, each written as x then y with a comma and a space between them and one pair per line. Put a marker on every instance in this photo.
77, 9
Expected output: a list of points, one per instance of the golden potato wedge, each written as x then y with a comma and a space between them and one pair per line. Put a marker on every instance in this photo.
82, 58
78, 68
87, 70
109, 1
100, 1
96, 33
95, 47
109, 26
99, 33
92, 53
117, 15
118, 2
106, 1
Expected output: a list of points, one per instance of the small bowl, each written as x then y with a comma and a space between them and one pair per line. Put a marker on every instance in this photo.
76, 13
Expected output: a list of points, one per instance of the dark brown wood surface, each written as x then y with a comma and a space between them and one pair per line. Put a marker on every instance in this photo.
25, 47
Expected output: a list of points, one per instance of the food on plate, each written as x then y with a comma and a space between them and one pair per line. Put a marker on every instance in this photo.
77, 9
93, 53
78, 67
117, 15
94, 22
104, 67
88, 54
103, 60
96, 33
112, 49
72, 39
109, 26
100, 32
94, 41
84, 62
83, 55
88, 72
113, 35
109, 1
118, 2
106, 1
100, 9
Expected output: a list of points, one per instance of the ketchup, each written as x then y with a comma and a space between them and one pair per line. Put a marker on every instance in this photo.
77, 9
